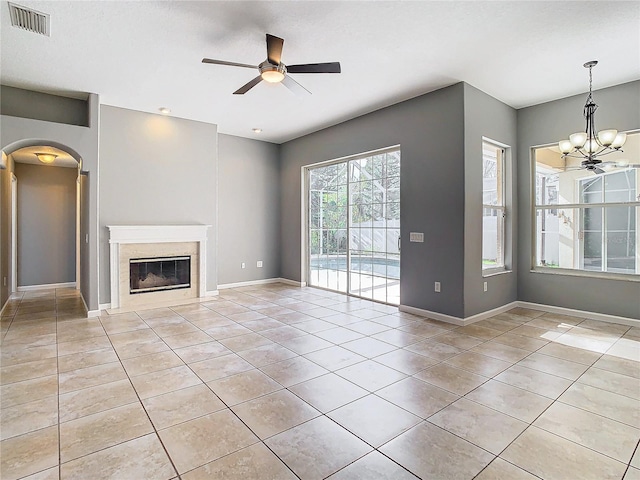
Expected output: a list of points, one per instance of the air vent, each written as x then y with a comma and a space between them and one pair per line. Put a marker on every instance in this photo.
30, 20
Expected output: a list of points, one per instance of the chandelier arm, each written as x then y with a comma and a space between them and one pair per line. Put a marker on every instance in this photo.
574, 156
608, 151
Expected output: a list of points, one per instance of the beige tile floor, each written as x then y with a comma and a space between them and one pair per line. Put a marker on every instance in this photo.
277, 382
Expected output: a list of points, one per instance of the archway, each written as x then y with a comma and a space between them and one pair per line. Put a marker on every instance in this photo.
58, 201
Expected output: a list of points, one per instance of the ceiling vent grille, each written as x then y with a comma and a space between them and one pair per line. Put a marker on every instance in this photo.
30, 20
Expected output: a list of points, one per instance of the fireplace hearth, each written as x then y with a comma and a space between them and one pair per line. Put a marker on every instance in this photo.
158, 274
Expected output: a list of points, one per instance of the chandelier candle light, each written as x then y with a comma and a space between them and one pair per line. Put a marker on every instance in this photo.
592, 144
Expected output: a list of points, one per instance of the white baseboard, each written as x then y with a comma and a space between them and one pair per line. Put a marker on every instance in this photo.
212, 293
104, 306
533, 306
442, 317
489, 313
602, 317
89, 313
84, 304
4, 306
47, 286
457, 320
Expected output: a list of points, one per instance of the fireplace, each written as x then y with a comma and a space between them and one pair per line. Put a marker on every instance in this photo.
152, 265
158, 274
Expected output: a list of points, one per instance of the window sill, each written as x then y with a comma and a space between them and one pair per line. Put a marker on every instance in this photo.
493, 272
587, 274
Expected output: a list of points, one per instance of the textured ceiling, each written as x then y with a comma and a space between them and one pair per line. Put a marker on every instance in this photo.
145, 55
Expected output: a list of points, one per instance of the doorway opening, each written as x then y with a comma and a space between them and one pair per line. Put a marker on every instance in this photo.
353, 225
44, 218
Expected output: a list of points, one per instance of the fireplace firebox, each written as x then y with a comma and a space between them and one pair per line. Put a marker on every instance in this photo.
157, 274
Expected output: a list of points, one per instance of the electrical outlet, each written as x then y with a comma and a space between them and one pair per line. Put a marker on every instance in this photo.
486, 287
5, 281
243, 265
437, 287
259, 264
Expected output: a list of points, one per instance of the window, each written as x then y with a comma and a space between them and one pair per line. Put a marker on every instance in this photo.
493, 208
586, 221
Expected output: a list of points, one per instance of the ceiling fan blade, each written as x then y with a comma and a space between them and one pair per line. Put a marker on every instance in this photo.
274, 49
245, 88
598, 171
332, 67
294, 86
232, 64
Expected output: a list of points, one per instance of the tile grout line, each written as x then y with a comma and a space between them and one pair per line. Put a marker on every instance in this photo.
155, 431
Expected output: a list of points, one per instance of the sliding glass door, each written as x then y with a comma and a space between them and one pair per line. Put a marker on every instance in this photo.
354, 226
328, 239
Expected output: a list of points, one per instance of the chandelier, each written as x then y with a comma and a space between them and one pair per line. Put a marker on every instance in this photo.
592, 144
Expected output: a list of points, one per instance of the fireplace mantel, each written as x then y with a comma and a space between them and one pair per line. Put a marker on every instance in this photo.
153, 234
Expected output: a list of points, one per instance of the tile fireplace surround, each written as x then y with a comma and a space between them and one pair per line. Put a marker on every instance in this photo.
149, 241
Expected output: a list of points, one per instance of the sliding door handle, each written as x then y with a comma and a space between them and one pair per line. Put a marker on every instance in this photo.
399, 247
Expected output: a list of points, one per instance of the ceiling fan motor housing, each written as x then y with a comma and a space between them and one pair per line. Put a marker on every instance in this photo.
272, 73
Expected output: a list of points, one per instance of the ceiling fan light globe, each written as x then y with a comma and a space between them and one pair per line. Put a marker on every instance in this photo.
578, 139
606, 137
619, 140
272, 76
565, 146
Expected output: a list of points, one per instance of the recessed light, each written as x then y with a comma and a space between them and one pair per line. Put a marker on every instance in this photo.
257, 130
164, 110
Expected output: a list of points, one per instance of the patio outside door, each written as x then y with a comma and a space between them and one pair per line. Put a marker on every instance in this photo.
354, 226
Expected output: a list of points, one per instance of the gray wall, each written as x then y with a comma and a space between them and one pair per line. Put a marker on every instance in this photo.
248, 209
81, 143
85, 228
430, 132
544, 124
17, 102
156, 170
46, 224
5, 230
488, 117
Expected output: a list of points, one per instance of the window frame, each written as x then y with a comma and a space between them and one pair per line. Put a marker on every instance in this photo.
578, 246
502, 207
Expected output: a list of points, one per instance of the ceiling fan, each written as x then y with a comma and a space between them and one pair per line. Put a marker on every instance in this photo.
272, 70
598, 167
